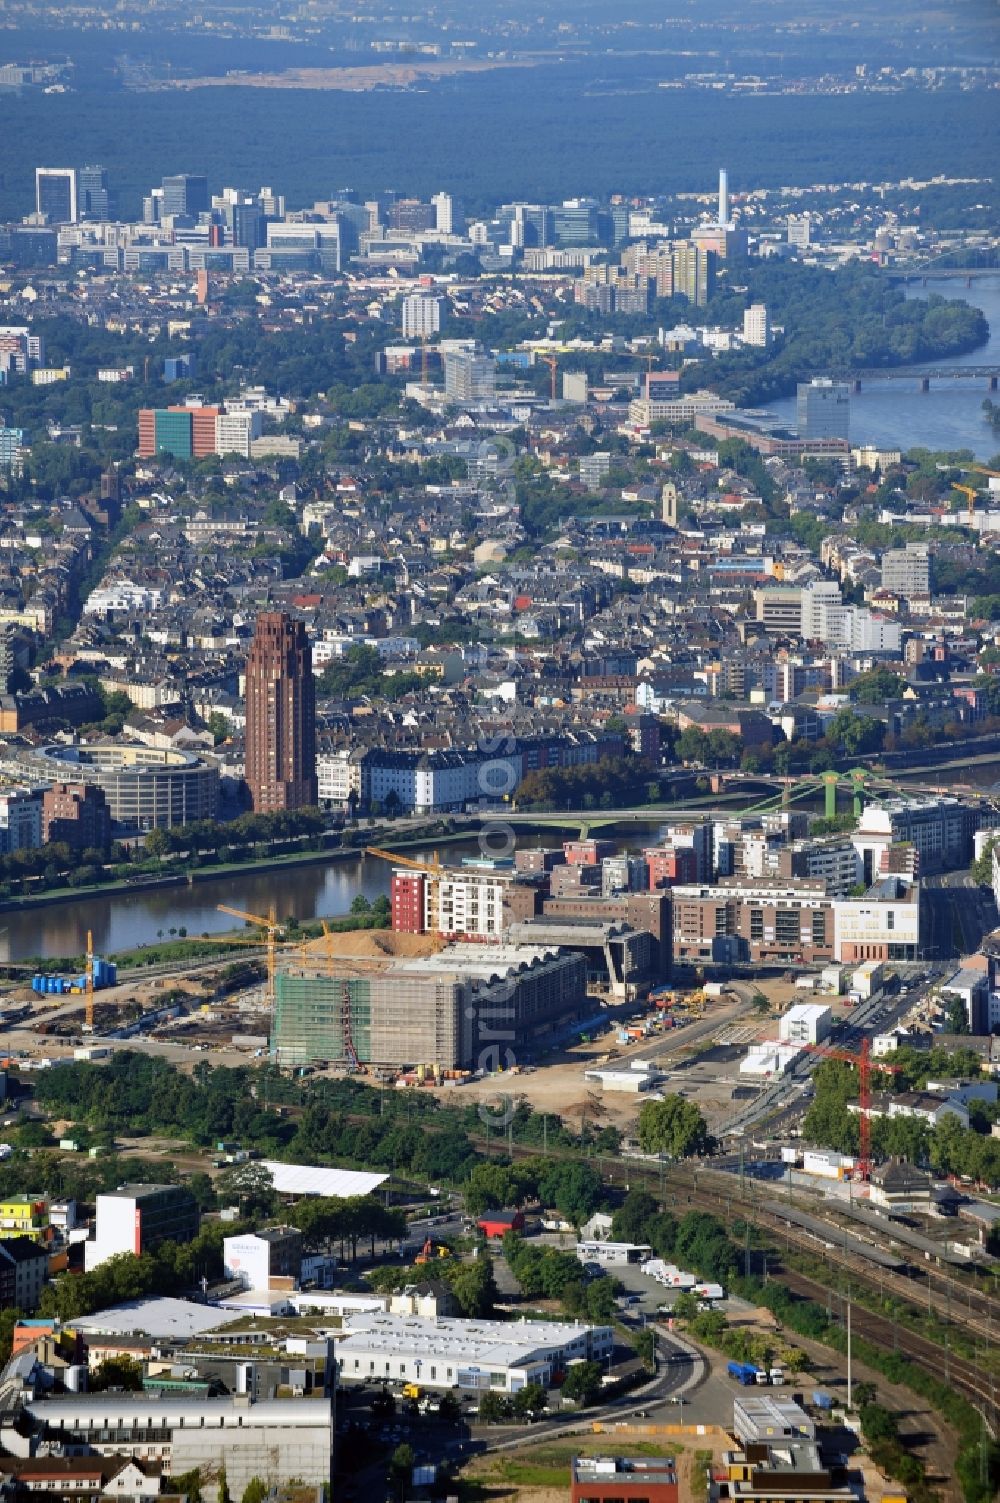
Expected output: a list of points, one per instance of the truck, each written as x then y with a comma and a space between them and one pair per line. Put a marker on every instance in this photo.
412, 1391
777, 1377
709, 1291
744, 1373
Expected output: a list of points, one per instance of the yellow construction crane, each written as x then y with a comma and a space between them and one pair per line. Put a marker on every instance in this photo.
433, 869
89, 1006
553, 365
969, 491
273, 928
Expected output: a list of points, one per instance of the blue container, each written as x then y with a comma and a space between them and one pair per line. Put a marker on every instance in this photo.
38, 983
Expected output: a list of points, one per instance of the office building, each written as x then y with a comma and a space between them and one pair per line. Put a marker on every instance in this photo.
137, 1218
93, 193
822, 409
184, 196
622, 1479
24, 1272
492, 1355
442, 1011
756, 325
799, 231
275, 1441
56, 194
575, 222
763, 921
25, 1216
448, 216
183, 432
806, 1023
236, 431
76, 814
20, 820
940, 830
907, 571
258, 1259
469, 376
146, 787
281, 715
421, 316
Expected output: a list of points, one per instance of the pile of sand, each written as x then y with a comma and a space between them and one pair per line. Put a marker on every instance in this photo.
370, 944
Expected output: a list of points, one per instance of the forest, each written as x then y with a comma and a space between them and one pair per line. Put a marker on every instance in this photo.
541, 133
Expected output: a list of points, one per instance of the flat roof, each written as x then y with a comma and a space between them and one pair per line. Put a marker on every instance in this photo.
161, 1316
498, 1343
659, 1470
315, 1179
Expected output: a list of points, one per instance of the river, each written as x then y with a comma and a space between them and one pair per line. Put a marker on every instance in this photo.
897, 415
123, 921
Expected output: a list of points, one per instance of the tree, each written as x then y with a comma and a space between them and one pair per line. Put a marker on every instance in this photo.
878, 1424
958, 1018
473, 1286
401, 1466
117, 1372
583, 1382
530, 1400
630, 1223
189, 1483
451, 1409
982, 866
224, 1495
157, 843
645, 1349
672, 1126
494, 1408
600, 1301
251, 1186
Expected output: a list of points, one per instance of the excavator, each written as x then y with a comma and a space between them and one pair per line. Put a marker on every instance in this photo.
432, 1250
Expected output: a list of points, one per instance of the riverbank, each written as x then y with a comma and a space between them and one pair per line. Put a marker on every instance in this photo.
191, 877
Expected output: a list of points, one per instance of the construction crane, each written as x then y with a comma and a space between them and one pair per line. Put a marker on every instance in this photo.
862, 1062
89, 1006
969, 491
273, 928
553, 365
350, 1053
434, 872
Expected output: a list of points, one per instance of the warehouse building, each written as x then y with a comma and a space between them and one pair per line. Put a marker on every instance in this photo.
480, 1354
276, 1441
462, 1009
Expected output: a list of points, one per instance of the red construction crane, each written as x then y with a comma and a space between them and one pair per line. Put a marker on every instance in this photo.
862, 1062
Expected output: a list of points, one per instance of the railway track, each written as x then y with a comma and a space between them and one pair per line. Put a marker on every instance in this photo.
962, 1374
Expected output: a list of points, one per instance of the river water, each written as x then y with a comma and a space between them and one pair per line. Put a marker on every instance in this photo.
898, 415
123, 921
889, 414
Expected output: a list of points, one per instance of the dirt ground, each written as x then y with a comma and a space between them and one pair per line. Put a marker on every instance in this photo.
539, 1472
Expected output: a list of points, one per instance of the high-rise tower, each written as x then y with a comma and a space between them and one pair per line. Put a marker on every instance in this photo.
281, 715
723, 196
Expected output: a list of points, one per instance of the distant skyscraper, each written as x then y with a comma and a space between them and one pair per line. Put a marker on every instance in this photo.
93, 193
185, 194
723, 196
449, 219
800, 231
756, 325
823, 409
281, 715
469, 376
421, 316
55, 194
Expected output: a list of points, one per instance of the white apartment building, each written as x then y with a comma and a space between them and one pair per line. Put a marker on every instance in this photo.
236, 429
421, 316
806, 1023
756, 325
468, 905
20, 820
123, 595
883, 925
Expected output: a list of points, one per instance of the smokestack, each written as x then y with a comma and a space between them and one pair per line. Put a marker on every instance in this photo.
723, 196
